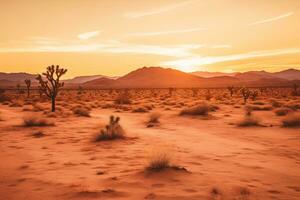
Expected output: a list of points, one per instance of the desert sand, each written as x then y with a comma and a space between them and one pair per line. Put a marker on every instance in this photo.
218, 159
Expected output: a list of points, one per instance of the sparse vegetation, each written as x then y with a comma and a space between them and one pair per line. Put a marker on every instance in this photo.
291, 120
154, 117
246, 94
3, 96
140, 110
231, 90
112, 131
159, 161
51, 84
123, 99
31, 121
28, 84
38, 134
80, 111
282, 111
249, 121
201, 109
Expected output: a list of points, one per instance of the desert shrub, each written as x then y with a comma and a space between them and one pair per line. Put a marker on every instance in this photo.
291, 120
294, 106
153, 120
154, 117
249, 121
16, 103
215, 193
38, 134
36, 121
213, 108
261, 108
248, 110
282, 111
38, 107
276, 104
112, 131
201, 109
80, 111
140, 110
3, 96
159, 161
259, 103
123, 99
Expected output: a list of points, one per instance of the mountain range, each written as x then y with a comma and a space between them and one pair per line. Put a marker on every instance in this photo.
157, 77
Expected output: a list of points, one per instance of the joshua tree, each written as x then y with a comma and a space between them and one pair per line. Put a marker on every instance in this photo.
231, 90
195, 92
295, 89
50, 85
246, 94
79, 90
254, 94
171, 91
28, 84
208, 95
18, 86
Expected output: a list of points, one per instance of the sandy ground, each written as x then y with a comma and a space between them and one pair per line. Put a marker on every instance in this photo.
223, 161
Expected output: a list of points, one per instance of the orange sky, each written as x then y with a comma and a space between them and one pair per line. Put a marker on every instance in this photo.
113, 37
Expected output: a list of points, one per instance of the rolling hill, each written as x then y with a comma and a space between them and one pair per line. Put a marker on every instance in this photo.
158, 77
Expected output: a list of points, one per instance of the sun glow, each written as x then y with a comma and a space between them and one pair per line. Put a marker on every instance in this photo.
187, 68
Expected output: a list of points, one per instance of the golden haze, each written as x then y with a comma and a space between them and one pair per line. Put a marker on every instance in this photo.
115, 37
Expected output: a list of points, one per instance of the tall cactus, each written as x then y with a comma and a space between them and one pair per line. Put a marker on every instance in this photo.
50, 82
28, 84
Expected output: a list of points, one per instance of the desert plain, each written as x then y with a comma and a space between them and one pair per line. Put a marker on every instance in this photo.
183, 144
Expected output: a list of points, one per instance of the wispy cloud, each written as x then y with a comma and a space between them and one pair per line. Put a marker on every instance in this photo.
141, 34
88, 35
272, 19
221, 46
164, 9
205, 60
173, 50
114, 47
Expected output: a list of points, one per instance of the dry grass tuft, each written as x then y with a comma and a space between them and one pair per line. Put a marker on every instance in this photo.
38, 134
123, 99
201, 109
275, 103
261, 108
249, 121
16, 103
154, 118
159, 161
36, 121
140, 110
291, 120
82, 112
112, 131
282, 111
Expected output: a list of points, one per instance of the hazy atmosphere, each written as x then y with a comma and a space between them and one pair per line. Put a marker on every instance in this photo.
115, 37
150, 99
